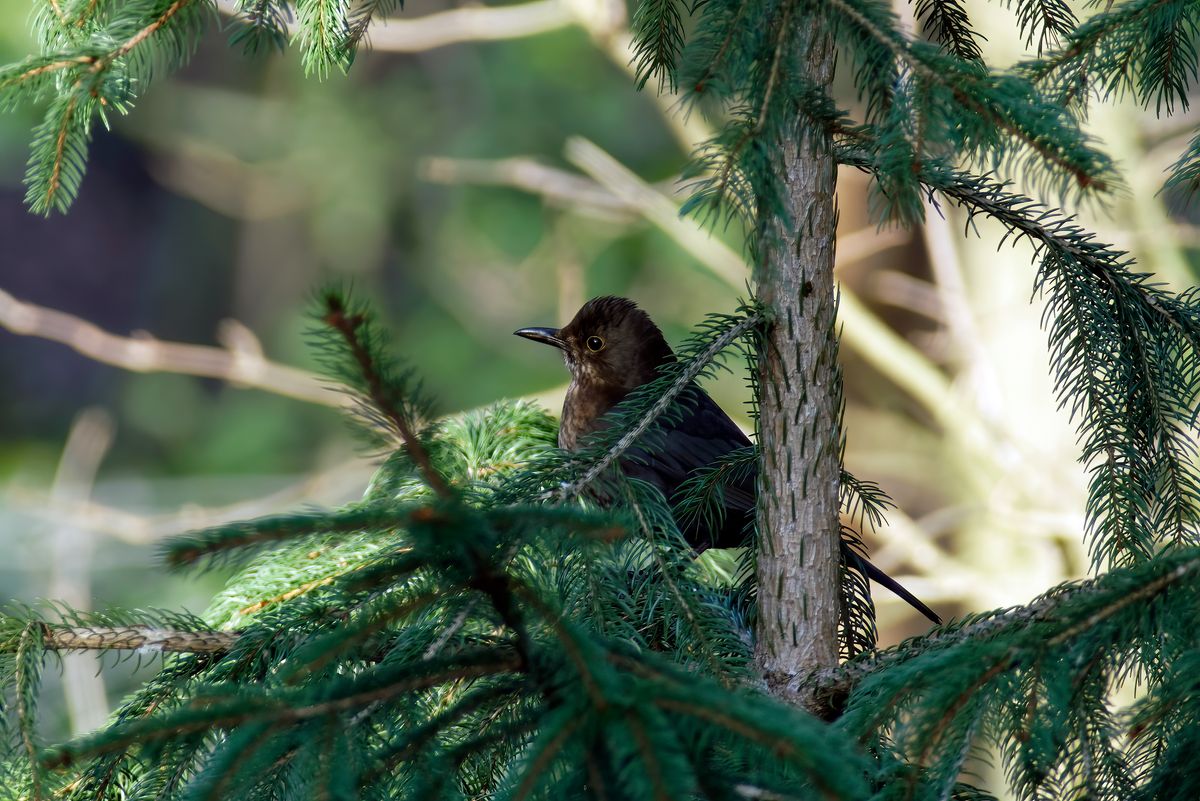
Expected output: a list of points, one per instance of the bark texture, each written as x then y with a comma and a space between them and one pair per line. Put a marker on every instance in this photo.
798, 559
137, 638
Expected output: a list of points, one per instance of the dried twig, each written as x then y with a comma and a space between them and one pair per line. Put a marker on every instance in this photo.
335, 485
240, 362
71, 549
476, 24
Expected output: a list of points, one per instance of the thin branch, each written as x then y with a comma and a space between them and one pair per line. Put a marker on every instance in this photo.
239, 366
721, 259
71, 551
555, 186
338, 484
137, 638
475, 24
53, 66
616, 191
145, 33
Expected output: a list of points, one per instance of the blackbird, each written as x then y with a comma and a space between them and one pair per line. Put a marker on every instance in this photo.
611, 348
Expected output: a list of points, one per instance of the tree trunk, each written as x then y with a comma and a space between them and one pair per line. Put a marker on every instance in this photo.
800, 436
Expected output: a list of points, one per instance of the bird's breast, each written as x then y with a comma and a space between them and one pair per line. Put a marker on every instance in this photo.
583, 412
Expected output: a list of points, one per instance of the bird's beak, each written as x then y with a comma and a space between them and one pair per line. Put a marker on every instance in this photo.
546, 335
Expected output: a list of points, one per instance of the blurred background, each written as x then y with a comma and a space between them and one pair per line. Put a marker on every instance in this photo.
483, 168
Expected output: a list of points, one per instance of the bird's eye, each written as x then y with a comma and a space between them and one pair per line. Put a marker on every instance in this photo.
595, 344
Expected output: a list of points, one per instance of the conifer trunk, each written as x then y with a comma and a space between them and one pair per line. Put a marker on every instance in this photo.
800, 434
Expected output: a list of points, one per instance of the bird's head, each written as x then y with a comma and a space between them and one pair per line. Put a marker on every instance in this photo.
610, 342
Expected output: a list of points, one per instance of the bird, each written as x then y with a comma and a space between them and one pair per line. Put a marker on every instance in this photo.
611, 347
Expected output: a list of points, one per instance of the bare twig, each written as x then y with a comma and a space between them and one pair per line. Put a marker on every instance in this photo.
720, 258
330, 487
71, 562
239, 365
475, 24
555, 186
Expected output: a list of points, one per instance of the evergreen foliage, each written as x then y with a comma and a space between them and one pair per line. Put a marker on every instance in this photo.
447, 636
923, 100
475, 627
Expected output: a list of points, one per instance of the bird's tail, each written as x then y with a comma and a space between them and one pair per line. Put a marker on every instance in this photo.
877, 575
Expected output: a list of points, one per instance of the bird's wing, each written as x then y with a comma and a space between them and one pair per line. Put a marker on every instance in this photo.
698, 435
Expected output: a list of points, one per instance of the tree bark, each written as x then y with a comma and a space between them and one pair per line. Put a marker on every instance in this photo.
800, 399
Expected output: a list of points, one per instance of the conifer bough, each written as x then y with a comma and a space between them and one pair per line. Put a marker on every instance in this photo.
456, 634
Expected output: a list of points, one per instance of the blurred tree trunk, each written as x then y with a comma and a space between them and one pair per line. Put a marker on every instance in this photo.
800, 391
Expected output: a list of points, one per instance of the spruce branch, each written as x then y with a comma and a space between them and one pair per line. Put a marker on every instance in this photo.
218, 541
30, 76
142, 35
359, 20
544, 753
784, 732
54, 182
715, 64
59, 153
217, 712
87, 14
112, 630
1008, 681
1143, 487
948, 22
864, 501
1054, 617
654, 770
1044, 129
27, 680
350, 326
783, 27
265, 24
683, 603
322, 32
702, 497
136, 638
58, 12
1084, 40
408, 744
1185, 172
659, 38
98, 76
1048, 21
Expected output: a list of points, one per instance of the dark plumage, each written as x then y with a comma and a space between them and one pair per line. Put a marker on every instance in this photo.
611, 348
